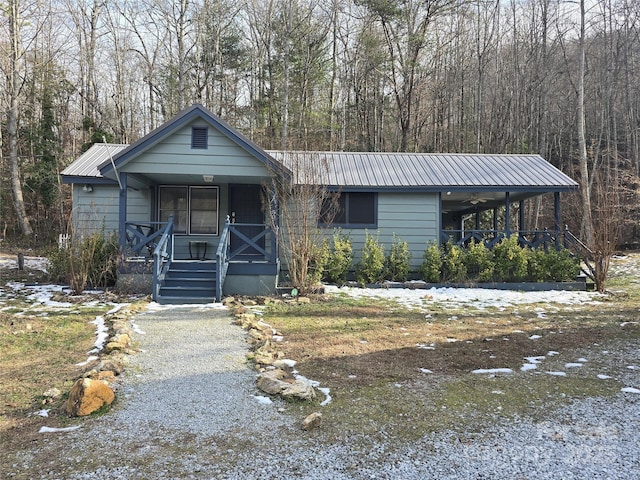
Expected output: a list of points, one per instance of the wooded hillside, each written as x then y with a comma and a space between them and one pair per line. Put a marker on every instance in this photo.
561, 79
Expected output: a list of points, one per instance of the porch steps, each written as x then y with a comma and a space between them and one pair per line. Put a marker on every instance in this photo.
189, 282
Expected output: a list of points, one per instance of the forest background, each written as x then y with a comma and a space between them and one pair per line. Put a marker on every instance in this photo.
557, 78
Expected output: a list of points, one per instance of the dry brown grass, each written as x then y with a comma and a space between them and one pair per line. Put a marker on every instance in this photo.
371, 355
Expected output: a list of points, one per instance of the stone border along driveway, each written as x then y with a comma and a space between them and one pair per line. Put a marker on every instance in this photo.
186, 410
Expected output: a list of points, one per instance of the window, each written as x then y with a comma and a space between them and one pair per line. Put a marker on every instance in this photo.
194, 209
355, 210
199, 137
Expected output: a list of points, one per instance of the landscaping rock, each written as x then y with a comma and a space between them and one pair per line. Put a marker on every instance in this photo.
312, 421
271, 382
87, 396
299, 389
120, 341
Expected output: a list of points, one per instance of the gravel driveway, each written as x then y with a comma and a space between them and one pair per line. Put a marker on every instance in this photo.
186, 409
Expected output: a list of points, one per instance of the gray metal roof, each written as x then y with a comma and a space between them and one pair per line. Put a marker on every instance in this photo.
87, 164
426, 171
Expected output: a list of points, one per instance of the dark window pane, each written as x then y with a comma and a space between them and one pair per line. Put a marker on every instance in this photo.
362, 208
333, 210
204, 210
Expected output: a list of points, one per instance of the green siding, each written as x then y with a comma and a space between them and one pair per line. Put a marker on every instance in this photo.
413, 217
175, 155
95, 211
139, 205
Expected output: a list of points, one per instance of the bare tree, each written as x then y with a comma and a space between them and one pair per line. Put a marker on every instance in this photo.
298, 204
14, 86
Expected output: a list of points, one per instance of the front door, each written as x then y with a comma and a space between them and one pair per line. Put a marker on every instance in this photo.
245, 207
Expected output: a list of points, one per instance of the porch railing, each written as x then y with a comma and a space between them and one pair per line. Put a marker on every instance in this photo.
249, 241
526, 238
162, 257
142, 237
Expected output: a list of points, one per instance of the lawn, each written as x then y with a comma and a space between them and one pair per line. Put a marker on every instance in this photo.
41, 343
399, 371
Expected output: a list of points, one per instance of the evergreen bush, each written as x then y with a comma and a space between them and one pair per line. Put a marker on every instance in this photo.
399, 260
371, 266
510, 261
340, 258
479, 262
454, 268
431, 267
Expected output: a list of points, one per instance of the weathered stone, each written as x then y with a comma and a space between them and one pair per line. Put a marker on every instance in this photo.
87, 396
299, 389
228, 301
120, 341
52, 393
106, 375
114, 365
271, 382
312, 421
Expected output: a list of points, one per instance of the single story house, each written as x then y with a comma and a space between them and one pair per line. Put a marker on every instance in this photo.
186, 202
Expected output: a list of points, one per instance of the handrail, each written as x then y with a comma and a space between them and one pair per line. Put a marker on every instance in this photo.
161, 258
222, 258
582, 251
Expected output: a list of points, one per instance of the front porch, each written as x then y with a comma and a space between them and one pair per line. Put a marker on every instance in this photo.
190, 269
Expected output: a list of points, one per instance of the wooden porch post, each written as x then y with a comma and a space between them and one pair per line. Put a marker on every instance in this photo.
556, 211
521, 217
122, 210
477, 219
507, 214
495, 220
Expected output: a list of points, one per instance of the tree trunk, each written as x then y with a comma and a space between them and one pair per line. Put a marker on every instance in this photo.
13, 90
585, 186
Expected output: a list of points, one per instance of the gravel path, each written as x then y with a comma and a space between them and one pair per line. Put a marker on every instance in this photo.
186, 409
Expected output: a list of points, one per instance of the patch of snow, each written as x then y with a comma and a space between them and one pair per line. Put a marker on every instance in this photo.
137, 329
537, 359
56, 430
102, 333
630, 390
557, 374
604, 377
425, 347
493, 370
581, 360
572, 365
552, 353
535, 337
263, 400
277, 338
327, 397
351, 376
632, 367
42, 413
90, 359
475, 297
425, 370
289, 363
528, 366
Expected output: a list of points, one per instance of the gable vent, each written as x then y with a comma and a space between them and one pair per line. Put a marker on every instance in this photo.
199, 137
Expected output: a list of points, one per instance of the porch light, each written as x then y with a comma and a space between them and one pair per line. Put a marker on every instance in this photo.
87, 188
207, 178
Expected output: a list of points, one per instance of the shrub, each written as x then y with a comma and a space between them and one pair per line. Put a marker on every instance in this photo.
340, 258
538, 265
371, 266
399, 260
454, 268
88, 262
479, 261
318, 259
562, 266
511, 260
432, 263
